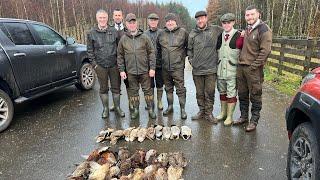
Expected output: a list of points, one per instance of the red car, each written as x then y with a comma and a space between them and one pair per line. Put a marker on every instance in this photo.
303, 125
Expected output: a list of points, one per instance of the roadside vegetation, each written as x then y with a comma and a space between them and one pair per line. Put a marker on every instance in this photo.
286, 83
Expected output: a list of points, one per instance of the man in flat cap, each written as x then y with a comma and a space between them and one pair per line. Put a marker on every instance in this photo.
102, 42
171, 50
229, 46
203, 58
136, 55
254, 54
157, 81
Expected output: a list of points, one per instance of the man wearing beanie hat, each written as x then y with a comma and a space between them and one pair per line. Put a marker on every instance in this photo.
157, 81
136, 55
229, 46
203, 58
172, 50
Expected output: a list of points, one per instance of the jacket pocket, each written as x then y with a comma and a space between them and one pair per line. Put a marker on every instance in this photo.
231, 63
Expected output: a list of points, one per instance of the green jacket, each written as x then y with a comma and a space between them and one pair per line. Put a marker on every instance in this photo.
136, 54
153, 35
202, 51
172, 48
228, 55
102, 46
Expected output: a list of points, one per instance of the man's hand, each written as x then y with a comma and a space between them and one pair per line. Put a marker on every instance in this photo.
152, 73
123, 75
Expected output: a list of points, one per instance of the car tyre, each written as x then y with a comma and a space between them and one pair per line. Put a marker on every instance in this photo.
87, 77
6, 110
303, 154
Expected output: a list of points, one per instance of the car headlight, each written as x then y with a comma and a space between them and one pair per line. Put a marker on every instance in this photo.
307, 78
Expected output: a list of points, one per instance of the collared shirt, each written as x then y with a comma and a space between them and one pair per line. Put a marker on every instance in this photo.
225, 34
251, 27
102, 29
118, 26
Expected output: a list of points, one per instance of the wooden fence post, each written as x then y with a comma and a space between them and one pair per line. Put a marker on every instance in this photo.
307, 60
281, 57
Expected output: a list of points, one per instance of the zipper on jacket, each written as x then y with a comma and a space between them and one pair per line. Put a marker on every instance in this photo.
170, 44
134, 52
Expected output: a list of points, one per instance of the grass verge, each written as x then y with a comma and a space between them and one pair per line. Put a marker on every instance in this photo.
286, 83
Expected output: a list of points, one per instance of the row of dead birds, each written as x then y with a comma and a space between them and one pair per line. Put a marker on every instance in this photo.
154, 132
104, 164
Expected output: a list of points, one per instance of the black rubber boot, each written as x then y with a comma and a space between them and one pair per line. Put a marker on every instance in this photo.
117, 109
169, 110
182, 102
150, 103
105, 102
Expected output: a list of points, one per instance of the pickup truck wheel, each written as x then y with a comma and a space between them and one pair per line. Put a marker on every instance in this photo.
87, 77
303, 154
6, 110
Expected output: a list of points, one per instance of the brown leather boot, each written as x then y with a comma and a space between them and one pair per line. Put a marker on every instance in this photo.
251, 127
200, 115
240, 121
211, 119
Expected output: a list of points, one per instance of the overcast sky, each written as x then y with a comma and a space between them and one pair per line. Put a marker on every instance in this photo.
192, 5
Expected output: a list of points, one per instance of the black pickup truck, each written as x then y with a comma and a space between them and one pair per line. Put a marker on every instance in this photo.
36, 60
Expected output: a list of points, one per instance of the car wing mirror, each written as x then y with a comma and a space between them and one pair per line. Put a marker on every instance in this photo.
70, 41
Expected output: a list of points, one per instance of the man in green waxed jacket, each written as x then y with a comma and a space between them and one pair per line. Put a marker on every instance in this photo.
136, 55
153, 31
203, 57
102, 51
172, 50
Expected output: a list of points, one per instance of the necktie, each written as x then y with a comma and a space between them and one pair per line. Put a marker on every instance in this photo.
249, 29
226, 37
119, 27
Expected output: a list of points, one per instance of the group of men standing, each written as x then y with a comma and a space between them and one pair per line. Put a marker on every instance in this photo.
156, 58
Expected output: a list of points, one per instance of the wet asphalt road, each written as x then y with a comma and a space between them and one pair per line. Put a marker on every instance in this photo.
48, 136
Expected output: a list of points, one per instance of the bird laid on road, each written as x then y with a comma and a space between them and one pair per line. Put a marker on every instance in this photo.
186, 132
102, 164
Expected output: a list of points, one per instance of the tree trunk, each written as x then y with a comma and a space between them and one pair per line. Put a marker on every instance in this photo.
53, 15
282, 18
25, 10
58, 13
74, 13
64, 16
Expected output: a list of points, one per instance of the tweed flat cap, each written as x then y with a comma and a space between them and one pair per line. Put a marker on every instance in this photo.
170, 16
228, 17
200, 13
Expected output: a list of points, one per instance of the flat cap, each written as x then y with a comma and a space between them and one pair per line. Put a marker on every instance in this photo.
228, 17
200, 13
131, 17
153, 16
170, 16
